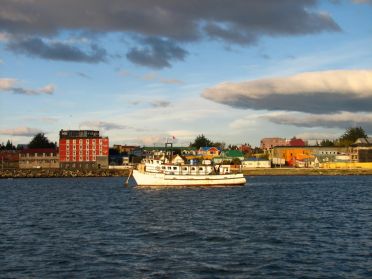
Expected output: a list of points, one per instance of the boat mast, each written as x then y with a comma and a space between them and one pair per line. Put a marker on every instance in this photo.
169, 146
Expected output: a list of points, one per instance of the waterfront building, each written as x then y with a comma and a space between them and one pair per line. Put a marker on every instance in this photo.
126, 149
9, 159
39, 158
253, 163
229, 156
268, 143
83, 149
305, 155
209, 152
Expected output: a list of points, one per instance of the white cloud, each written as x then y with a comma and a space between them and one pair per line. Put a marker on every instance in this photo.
327, 91
11, 85
21, 131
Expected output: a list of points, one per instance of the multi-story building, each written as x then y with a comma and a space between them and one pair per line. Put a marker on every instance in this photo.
83, 149
41, 158
268, 143
127, 149
9, 159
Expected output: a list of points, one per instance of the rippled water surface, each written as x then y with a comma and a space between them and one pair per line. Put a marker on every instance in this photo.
281, 227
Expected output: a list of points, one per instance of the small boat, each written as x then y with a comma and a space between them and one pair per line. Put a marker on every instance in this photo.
156, 172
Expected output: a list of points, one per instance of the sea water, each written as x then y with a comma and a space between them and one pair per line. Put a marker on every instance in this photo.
278, 227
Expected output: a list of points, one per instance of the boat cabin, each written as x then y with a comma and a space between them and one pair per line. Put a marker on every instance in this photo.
158, 166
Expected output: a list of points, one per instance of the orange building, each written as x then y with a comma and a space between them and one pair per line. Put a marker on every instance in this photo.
293, 155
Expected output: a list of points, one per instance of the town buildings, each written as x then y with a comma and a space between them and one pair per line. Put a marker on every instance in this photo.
83, 149
39, 158
267, 143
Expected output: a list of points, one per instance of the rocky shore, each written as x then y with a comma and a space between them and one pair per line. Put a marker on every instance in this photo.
44, 173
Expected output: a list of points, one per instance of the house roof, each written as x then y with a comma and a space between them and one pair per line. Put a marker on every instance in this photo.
364, 141
206, 148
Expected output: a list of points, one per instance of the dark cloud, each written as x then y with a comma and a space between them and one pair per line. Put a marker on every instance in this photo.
177, 19
153, 103
83, 75
230, 34
56, 50
157, 53
103, 125
234, 22
160, 104
314, 92
341, 120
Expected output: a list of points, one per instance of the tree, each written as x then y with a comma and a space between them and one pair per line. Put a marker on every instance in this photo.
201, 141
220, 145
8, 146
41, 141
327, 143
351, 135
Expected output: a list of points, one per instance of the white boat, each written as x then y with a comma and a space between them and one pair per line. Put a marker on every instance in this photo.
152, 172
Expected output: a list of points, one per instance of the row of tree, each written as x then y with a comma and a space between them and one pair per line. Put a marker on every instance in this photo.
347, 139
38, 141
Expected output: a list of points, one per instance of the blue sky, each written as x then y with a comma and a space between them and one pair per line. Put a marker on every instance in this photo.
140, 72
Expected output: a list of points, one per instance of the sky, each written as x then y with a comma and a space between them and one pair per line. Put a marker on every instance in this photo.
142, 71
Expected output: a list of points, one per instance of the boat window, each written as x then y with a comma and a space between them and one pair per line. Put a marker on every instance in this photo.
174, 168
193, 168
184, 168
163, 167
169, 168
201, 169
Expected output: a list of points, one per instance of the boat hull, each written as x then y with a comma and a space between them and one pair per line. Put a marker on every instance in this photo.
161, 179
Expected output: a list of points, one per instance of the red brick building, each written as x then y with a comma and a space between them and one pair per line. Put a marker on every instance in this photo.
9, 159
84, 149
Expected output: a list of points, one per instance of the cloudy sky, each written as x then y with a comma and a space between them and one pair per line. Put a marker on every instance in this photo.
139, 71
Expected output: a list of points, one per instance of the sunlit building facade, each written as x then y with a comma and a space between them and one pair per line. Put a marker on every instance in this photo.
84, 149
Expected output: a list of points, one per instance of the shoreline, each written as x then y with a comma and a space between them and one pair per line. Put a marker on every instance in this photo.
306, 171
59, 173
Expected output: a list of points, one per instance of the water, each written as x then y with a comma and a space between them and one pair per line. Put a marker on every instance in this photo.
281, 227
